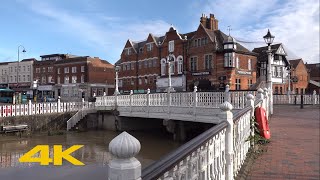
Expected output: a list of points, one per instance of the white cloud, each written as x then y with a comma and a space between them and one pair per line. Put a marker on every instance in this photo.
294, 23
106, 33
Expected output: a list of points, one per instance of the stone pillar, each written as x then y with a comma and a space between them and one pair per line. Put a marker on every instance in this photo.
195, 100
29, 107
227, 116
250, 102
59, 104
124, 166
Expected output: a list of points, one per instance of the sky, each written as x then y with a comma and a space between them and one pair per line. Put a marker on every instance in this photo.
100, 28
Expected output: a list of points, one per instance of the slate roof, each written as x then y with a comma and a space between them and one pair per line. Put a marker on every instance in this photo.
314, 69
294, 63
262, 53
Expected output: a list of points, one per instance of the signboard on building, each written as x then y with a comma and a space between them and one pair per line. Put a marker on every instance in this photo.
200, 73
175, 82
244, 72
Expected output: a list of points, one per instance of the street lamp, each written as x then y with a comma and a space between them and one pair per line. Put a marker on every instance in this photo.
170, 59
23, 50
116, 91
268, 38
35, 90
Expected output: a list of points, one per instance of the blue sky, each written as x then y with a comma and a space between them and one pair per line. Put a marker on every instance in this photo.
101, 28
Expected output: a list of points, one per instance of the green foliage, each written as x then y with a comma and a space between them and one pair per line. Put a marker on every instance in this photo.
257, 138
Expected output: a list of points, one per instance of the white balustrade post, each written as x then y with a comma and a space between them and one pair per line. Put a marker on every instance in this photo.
148, 100
227, 94
130, 103
314, 97
267, 101
123, 165
227, 116
250, 102
115, 101
260, 95
59, 104
29, 108
168, 102
82, 103
195, 100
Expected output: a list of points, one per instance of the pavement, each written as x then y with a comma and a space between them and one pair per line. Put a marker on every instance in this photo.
293, 152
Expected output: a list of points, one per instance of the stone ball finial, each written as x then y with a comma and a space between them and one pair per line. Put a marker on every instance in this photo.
131, 92
260, 90
226, 106
124, 146
250, 96
148, 91
104, 93
195, 89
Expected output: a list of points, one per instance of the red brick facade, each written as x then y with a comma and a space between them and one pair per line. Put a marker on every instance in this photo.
198, 59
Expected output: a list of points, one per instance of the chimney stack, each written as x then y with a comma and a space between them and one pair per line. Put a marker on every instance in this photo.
209, 22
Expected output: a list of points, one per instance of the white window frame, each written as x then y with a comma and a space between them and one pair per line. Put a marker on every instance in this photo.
74, 79
82, 78
249, 65
206, 63
237, 62
194, 63
66, 80
180, 64
82, 68
74, 69
149, 46
171, 46
66, 70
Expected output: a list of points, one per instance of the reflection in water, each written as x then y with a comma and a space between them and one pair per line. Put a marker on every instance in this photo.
95, 150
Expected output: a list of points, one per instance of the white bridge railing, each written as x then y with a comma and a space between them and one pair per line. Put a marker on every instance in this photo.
218, 153
42, 108
181, 99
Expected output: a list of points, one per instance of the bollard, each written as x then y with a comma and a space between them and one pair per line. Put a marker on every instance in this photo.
301, 103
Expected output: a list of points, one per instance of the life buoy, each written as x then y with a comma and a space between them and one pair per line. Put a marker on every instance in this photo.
263, 126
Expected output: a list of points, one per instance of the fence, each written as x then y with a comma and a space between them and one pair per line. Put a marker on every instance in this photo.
42, 108
296, 99
218, 153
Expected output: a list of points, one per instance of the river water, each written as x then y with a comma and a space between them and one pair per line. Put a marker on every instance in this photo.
94, 154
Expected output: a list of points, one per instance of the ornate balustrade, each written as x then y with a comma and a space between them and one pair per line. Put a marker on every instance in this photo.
296, 99
218, 153
42, 108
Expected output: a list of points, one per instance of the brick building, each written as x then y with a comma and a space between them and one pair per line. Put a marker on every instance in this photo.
299, 76
45, 73
314, 78
83, 76
206, 57
279, 65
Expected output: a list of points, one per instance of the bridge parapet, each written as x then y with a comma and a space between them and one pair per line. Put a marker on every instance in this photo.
218, 153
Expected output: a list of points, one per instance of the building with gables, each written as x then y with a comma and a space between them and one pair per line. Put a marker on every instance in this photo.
279, 65
299, 77
314, 77
207, 58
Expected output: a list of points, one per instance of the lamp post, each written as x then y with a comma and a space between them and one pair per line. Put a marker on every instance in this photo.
35, 90
23, 50
116, 91
169, 60
269, 39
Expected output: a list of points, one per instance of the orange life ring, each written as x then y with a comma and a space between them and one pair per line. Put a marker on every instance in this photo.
263, 126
